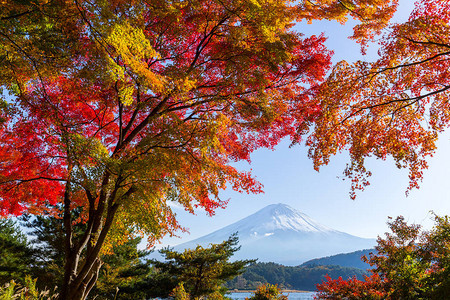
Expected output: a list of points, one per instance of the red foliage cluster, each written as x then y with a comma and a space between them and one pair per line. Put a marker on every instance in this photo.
353, 289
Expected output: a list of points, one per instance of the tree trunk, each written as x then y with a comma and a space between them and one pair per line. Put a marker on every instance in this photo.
74, 286
80, 278
80, 275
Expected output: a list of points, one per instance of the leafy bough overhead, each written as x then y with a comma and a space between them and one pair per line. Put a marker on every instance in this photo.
393, 107
118, 108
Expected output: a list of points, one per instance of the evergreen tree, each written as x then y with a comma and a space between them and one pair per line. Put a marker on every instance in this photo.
123, 272
202, 271
16, 256
47, 234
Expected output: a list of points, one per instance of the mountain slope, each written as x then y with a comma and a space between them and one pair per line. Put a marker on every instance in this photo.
352, 260
281, 234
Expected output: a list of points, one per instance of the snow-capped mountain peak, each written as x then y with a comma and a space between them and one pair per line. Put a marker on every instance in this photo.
282, 234
283, 217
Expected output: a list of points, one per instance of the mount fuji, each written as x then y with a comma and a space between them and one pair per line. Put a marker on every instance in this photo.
279, 233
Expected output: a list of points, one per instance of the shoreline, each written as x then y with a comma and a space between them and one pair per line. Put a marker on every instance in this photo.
283, 291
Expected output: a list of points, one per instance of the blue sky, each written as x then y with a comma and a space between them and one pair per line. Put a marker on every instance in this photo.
288, 176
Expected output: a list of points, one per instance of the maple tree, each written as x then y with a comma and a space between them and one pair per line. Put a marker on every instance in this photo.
393, 107
352, 289
118, 108
408, 264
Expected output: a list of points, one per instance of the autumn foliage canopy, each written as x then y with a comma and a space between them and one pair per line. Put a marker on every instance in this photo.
129, 105
118, 108
393, 107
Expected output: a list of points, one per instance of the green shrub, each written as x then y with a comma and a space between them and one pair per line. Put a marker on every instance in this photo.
268, 292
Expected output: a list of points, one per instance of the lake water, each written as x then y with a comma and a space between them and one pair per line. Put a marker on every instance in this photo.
291, 296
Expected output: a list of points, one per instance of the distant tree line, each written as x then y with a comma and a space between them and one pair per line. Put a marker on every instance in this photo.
299, 277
